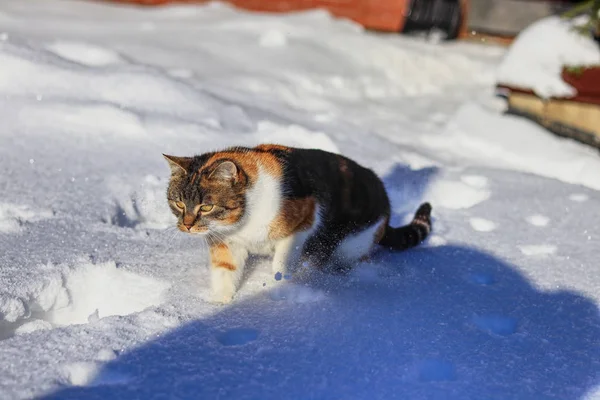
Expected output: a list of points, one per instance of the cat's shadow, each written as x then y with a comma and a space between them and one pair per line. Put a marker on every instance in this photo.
446, 322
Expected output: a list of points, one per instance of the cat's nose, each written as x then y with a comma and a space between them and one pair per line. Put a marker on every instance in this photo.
188, 221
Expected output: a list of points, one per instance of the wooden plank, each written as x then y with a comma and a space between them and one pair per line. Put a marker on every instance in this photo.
566, 118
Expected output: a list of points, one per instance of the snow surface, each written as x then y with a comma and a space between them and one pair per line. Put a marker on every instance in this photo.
536, 58
100, 297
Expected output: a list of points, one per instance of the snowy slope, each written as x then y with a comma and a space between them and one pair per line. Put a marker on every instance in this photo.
100, 297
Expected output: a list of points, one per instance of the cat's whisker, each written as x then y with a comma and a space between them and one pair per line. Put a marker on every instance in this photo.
173, 232
218, 236
210, 240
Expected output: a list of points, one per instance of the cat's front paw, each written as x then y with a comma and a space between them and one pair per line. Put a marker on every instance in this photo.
223, 286
221, 298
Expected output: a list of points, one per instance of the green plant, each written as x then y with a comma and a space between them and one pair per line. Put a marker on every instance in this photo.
575, 70
590, 8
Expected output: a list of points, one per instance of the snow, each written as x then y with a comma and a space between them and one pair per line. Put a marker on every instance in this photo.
482, 224
101, 297
538, 220
536, 58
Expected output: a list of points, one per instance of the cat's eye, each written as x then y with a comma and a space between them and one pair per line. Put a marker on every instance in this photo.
206, 207
180, 205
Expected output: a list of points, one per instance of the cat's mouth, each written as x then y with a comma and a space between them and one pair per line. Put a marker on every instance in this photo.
193, 230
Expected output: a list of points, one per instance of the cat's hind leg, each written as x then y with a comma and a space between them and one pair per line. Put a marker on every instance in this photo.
356, 247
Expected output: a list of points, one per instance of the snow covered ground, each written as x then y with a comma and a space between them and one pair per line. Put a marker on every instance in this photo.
100, 297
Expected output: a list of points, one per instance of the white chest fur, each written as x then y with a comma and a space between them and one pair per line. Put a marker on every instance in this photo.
263, 203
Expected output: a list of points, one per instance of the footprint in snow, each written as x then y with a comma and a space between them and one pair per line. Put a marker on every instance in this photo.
436, 370
237, 336
500, 325
295, 293
482, 278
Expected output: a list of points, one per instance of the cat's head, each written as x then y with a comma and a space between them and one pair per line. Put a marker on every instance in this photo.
206, 194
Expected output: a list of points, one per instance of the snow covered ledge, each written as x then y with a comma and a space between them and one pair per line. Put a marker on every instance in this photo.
551, 74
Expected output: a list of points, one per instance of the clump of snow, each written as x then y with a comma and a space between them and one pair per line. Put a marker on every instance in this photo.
579, 197
105, 290
76, 294
273, 38
14, 216
455, 195
84, 53
538, 220
80, 373
482, 224
141, 205
436, 240
106, 355
538, 249
536, 58
32, 326
476, 181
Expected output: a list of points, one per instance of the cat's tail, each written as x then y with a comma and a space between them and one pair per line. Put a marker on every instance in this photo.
410, 235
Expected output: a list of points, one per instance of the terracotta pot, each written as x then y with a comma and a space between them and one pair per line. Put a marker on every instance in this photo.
586, 81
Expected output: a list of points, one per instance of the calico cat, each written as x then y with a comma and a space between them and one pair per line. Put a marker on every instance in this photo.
307, 208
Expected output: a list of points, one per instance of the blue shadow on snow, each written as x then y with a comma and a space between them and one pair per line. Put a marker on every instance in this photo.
445, 322
436, 323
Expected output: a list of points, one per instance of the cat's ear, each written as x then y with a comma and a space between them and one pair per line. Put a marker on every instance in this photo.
178, 164
225, 171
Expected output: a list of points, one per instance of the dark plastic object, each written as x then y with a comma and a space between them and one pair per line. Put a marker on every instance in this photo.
425, 15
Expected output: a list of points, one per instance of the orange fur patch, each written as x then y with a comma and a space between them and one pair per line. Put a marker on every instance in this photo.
221, 257
193, 179
271, 147
233, 217
295, 216
248, 161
